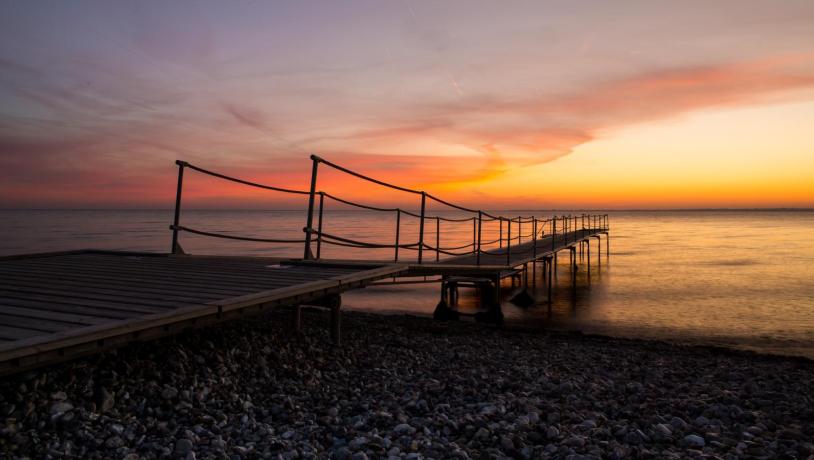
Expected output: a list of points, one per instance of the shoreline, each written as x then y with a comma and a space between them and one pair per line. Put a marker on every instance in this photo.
404, 386
698, 341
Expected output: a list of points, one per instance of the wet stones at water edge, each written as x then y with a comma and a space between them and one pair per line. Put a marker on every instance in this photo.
408, 388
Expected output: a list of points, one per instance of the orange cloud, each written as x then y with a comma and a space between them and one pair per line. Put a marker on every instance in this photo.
128, 147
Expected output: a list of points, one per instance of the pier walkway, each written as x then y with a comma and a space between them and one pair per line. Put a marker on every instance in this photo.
58, 306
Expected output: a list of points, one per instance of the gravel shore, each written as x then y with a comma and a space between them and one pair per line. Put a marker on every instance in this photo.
406, 387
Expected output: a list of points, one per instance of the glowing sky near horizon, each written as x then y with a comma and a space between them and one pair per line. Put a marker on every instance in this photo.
638, 104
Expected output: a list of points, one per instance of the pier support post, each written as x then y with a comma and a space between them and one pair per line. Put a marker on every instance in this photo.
336, 324
548, 261
544, 270
598, 249
297, 320
534, 273
607, 246
496, 298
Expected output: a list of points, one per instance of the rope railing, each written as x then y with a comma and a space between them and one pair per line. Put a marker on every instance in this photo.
181, 228
239, 181
361, 244
558, 228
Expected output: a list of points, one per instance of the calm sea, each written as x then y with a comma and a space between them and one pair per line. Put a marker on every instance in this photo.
732, 278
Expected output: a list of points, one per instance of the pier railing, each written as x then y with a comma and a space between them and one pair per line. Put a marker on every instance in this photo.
561, 229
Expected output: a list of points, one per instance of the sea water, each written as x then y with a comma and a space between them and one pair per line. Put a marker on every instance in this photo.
731, 278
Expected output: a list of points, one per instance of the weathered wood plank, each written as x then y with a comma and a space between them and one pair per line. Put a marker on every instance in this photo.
16, 333
84, 306
35, 284
105, 277
51, 315
36, 324
68, 294
259, 274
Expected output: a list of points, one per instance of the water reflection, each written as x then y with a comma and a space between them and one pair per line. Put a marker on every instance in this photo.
724, 277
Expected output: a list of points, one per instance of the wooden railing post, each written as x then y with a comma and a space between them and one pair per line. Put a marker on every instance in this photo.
500, 236
310, 218
474, 234
319, 224
519, 229
509, 242
398, 230
480, 223
534, 239
553, 232
177, 218
437, 238
421, 226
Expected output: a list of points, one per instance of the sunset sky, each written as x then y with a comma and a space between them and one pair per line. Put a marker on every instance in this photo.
635, 104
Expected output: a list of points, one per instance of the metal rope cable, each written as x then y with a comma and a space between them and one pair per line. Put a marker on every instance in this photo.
447, 219
376, 208
358, 205
232, 237
241, 181
459, 247
451, 205
362, 176
360, 243
449, 253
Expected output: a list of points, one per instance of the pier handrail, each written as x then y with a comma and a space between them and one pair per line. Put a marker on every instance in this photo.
567, 226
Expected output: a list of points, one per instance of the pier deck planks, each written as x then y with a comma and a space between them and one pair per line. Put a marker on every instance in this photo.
521, 253
55, 306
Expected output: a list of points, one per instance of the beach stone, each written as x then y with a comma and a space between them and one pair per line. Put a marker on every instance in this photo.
114, 442
183, 446
357, 443
342, 453
482, 434
695, 441
678, 423
636, 437
506, 443
106, 400
403, 428
663, 429
589, 424
60, 407
380, 396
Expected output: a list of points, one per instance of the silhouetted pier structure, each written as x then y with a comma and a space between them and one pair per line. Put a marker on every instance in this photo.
58, 306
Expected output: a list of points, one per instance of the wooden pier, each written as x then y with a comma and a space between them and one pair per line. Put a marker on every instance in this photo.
58, 306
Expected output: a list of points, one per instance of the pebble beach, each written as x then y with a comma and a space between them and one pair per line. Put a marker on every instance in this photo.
409, 387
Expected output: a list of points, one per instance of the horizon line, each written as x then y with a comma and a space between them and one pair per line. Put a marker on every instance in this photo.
752, 209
